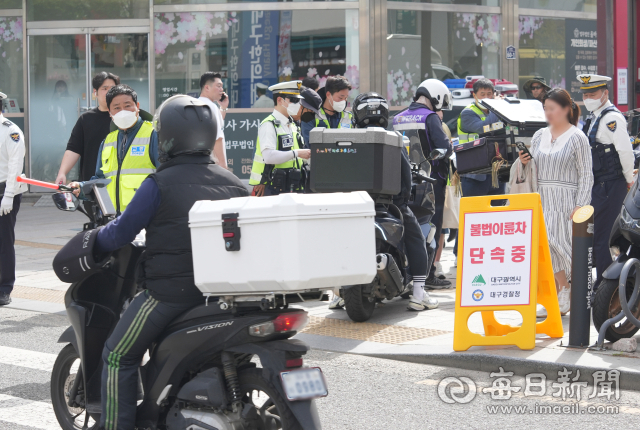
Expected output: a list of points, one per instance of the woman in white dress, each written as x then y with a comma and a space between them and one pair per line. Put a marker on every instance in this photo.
563, 159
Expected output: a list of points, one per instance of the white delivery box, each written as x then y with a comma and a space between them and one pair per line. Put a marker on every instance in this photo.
288, 243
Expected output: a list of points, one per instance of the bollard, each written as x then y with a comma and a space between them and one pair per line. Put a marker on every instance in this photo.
581, 261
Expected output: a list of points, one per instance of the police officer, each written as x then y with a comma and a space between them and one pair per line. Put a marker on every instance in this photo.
130, 153
187, 132
613, 159
12, 152
278, 161
422, 121
332, 113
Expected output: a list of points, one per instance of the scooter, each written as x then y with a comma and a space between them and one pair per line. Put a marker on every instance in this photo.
392, 279
624, 243
201, 372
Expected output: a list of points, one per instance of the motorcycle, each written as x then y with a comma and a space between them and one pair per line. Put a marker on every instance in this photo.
625, 244
392, 279
201, 372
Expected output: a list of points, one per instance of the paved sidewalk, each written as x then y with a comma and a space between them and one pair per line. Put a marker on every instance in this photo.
393, 332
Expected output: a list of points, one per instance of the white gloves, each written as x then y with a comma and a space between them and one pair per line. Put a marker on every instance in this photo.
6, 205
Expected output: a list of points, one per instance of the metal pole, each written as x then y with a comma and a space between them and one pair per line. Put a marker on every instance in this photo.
581, 258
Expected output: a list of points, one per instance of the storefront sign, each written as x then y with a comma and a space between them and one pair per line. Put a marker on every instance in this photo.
622, 86
511, 52
241, 134
581, 52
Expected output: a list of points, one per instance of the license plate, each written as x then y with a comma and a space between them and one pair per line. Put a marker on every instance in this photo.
304, 384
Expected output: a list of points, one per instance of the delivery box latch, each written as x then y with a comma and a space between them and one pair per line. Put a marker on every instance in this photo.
231, 232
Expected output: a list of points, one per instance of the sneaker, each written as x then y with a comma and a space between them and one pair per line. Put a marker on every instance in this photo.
564, 300
5, 299
439, 273
541, 312
455, 261
434, 283
337, 302
422, 305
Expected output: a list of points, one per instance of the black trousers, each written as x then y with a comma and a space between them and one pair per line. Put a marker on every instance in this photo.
139, 326
439, 189
414, 243
606, 199
7, 249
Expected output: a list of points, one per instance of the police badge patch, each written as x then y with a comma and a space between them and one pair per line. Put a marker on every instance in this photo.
15, 137
612, 126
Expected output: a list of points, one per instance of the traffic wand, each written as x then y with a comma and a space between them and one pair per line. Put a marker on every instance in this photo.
44, 184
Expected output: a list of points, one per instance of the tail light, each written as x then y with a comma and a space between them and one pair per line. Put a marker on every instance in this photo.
292, 322
293, 362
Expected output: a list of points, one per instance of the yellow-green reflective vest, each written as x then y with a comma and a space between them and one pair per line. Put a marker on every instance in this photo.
345, 119
468, 137
135, 167
258, 161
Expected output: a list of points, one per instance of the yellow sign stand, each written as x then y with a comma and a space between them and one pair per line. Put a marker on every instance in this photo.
541, 288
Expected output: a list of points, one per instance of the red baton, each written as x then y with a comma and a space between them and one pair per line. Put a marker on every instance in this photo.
43, 184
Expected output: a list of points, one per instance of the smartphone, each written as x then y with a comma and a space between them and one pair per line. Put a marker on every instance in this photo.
522, 147
224, 96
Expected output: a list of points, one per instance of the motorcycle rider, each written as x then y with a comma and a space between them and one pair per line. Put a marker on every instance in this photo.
371, 110
421, 119
186, 131
613, 160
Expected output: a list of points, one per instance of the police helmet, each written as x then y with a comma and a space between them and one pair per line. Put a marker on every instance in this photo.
370, 110
76, 260
185, 125
436, 92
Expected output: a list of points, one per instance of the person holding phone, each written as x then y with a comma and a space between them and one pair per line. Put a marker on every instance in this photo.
565, 178
212, 93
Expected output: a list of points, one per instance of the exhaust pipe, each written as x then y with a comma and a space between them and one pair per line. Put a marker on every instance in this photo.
389, 274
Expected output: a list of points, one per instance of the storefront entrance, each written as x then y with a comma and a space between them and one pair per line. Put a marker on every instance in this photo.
61, 67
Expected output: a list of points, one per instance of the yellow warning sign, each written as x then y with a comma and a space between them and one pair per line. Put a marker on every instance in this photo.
504, 263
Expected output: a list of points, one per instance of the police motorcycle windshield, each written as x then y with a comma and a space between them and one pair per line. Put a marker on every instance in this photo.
416, 155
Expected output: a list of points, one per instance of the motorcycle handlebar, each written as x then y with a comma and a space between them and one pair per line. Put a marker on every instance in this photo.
425, 178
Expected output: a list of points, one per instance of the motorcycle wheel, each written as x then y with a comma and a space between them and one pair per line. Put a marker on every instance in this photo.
358, 307
270, 405
63, 375
606, 305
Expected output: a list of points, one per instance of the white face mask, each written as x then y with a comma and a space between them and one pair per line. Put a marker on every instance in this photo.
338, 106
479, 104
125, 119
293, 108
593, 104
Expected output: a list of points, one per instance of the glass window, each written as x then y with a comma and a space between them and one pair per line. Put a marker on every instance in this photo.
163, 2
572, 5
464, 2
10, 4
441, 45
249, 48
63, 10
11, 64
557, 50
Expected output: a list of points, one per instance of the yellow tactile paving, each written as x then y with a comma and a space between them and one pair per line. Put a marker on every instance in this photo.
367, 331
38, 245
41, 294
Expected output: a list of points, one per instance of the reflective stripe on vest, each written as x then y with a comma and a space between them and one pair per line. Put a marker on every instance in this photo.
468, 137
133, 170
345, 119
258, 161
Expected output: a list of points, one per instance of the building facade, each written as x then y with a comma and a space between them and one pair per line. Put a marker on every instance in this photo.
50, 49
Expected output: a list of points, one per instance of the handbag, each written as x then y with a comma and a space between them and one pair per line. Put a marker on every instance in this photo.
523, 179
451, 213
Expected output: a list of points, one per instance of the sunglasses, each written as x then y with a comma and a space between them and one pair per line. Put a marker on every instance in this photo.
537, 87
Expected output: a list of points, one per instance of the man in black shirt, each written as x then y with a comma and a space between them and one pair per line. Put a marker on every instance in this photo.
90, 130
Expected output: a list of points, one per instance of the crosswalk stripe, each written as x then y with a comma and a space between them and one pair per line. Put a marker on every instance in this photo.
25, 358
27, 413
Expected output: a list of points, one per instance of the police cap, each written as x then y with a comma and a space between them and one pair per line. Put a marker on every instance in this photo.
591, 82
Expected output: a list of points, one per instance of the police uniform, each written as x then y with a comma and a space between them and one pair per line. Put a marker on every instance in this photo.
275, 163
613, 160
12, 151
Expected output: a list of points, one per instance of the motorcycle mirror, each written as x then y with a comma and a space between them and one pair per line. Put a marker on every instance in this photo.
437, 154
66, 201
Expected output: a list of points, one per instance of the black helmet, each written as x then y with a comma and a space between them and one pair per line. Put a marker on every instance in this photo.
185, 126
75, 261
370, 109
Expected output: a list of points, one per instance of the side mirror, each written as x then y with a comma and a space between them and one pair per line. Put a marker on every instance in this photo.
66, 201
438, 154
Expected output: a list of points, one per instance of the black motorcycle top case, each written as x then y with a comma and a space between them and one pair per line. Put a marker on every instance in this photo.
477, 156
344, 160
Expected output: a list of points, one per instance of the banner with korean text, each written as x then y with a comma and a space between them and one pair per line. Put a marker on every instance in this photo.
504, 263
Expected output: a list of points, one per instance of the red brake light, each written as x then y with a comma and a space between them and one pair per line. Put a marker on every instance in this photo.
290, 322
294, 362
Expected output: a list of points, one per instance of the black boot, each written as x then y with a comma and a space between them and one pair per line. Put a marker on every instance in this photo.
5, 299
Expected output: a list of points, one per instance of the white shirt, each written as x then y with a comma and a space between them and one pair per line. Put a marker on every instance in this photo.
545, 141
263, 102
619, 138
269, 139
12, 152
218, 115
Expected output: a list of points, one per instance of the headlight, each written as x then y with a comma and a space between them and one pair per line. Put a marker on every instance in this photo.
625, 216
615, 252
